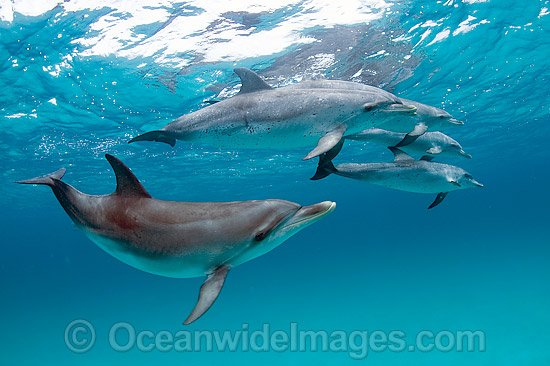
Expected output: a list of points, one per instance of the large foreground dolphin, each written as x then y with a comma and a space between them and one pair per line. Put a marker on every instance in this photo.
433, 143
180, 239
405, 174
260, 116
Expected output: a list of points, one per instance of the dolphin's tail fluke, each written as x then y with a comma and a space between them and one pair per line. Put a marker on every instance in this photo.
158, 136
324, 169
48, 179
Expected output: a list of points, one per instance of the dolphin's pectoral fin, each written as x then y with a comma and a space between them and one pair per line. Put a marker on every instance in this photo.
411, 137
210, 290
327, 143
250, 81
400, 155
438, 199
158, 136
435, 150
126, 182
331, 154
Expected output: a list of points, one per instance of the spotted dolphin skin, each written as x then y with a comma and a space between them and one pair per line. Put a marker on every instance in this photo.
404, 174
260, 116
180, 239
433, 143
413, 125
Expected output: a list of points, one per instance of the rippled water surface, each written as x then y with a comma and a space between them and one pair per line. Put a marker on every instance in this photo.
80, 78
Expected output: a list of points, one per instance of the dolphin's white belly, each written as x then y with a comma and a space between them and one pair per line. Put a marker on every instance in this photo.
413, 182
163, 265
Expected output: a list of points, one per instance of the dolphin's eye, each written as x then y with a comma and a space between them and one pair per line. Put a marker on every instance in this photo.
260, 236
468, 176
441, 117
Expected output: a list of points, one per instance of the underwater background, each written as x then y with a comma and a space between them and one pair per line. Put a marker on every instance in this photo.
80, 78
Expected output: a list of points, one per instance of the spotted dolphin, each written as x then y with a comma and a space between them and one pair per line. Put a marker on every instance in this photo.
433, 143
180, 239
404, 174
260, 116
414, 125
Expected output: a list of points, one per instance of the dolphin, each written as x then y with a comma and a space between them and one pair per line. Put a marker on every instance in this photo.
180, 239
404, 174
432, 143
260, 116
426, 117
414, 125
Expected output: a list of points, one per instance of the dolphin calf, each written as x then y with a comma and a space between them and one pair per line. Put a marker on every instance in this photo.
433, 143
180, 239
260, 116
414, 125
405, 174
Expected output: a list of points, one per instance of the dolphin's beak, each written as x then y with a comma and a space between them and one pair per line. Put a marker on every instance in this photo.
465, 154
476, 183
310, 214
454, 121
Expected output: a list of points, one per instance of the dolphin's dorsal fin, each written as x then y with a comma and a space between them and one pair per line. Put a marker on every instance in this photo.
126, 182
250, 81
400, 155
426, 158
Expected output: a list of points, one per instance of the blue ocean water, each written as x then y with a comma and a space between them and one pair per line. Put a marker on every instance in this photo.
79, 80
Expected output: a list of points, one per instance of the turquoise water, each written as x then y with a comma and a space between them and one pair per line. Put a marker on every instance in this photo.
78, 82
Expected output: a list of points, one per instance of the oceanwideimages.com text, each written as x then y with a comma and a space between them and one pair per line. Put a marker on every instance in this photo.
81, 336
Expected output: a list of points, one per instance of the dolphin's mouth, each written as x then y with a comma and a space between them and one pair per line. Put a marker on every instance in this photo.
309, 214
455, 121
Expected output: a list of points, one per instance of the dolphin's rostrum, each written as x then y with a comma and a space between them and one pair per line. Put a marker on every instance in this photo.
180, 239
